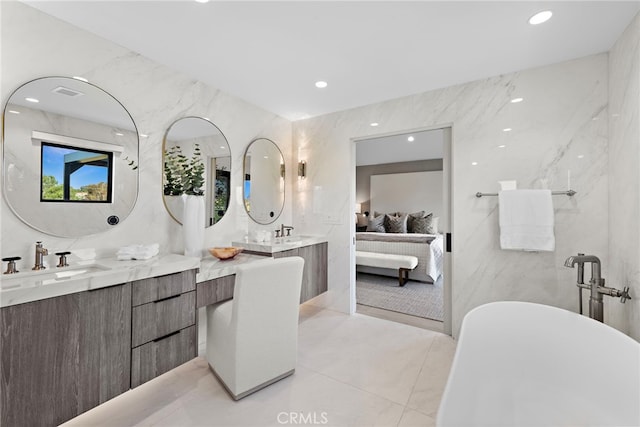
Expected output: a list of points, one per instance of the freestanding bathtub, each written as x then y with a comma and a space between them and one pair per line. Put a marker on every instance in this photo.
524, 364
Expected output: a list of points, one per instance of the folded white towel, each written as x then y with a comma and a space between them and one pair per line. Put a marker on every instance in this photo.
526, 220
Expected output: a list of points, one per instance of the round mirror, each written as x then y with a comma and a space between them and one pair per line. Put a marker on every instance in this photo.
70, 157
264, 173
197, 161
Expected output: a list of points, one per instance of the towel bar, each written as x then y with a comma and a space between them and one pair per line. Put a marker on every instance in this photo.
555, 193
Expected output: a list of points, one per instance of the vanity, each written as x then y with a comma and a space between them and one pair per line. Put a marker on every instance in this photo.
71, 339
312, 249
72, 344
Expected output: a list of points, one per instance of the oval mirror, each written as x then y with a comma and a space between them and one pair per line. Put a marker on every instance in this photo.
70, 157
196, 160
264, 172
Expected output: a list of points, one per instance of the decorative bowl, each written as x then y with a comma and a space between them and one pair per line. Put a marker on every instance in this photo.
225, 253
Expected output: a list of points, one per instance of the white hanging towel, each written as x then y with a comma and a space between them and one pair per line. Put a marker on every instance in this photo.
526, 220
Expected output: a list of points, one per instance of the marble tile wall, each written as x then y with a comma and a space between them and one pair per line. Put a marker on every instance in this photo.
624, 179
36, 45
560, 126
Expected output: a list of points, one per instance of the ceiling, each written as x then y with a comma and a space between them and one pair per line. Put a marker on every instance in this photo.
404, 147
272, 53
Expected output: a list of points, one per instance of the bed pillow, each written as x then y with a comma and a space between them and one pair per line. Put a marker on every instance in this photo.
423, 225
411, 218
395, 224
376, 223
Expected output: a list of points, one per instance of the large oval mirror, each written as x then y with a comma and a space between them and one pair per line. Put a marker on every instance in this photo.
70, 157
264, 173
196, 160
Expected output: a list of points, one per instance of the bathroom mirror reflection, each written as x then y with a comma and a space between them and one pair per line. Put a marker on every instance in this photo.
197, 161
264, 174
70, 157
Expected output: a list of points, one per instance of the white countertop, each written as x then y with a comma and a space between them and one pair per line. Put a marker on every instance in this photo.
30, 286
281, 244
212, 268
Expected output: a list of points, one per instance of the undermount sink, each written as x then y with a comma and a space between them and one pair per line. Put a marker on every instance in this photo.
53, 275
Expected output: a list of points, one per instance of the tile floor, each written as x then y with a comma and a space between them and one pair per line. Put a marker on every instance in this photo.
352, 371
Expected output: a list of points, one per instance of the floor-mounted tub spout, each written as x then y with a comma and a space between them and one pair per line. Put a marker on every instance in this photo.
596, 285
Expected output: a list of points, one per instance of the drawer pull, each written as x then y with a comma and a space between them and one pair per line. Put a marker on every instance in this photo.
166, 336
164, 299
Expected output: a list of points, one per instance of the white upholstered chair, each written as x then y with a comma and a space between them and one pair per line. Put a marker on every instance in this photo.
252, 340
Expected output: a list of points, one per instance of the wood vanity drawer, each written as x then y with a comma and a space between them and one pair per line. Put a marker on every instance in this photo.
155, 288
162, 317
215, 290
160, 356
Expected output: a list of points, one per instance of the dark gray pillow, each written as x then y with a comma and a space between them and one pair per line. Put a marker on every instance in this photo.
376, 223
395, 224
423, 225
410, 219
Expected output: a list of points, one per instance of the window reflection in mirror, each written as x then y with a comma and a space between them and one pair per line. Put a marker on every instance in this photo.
71, 174
90, 123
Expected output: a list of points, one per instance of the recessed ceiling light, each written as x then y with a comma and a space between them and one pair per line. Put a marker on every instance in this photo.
501, 146
202, 1
581, 156
411, 139
119, 134
474, 163
14, 112
516, 100
374, 124
223, 147
82, 79
31, 100
266, 157
321, 84
540, 17
506, 130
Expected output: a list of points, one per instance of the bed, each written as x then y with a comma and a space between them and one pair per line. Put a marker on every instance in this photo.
428, 248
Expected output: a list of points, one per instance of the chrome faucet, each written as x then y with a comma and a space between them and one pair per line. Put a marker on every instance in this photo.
596, 285
285, 227
40, 253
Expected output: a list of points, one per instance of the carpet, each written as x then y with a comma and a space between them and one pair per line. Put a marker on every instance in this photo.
414, 298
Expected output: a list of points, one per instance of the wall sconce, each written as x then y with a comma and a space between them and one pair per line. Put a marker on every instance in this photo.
282, 170
302, 169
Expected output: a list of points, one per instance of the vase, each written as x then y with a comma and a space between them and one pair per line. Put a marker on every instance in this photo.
193, 225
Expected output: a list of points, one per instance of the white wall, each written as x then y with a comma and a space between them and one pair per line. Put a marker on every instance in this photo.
407, 192
563, 116
36, 45
624, 183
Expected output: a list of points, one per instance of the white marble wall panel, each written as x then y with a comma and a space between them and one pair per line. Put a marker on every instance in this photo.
624, 181
561, 125
36, 45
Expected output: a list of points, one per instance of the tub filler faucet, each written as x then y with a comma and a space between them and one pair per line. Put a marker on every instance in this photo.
595, 285
40, 253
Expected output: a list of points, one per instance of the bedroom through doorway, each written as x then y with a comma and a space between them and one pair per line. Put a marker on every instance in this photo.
401, 219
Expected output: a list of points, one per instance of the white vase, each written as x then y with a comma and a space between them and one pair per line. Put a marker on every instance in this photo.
193, 225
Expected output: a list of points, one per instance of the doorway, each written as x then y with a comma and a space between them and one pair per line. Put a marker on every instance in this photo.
402, 192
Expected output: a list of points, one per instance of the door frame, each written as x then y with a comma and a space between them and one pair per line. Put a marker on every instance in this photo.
446, 219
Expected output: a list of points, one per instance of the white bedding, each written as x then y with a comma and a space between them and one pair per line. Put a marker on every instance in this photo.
430, 252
